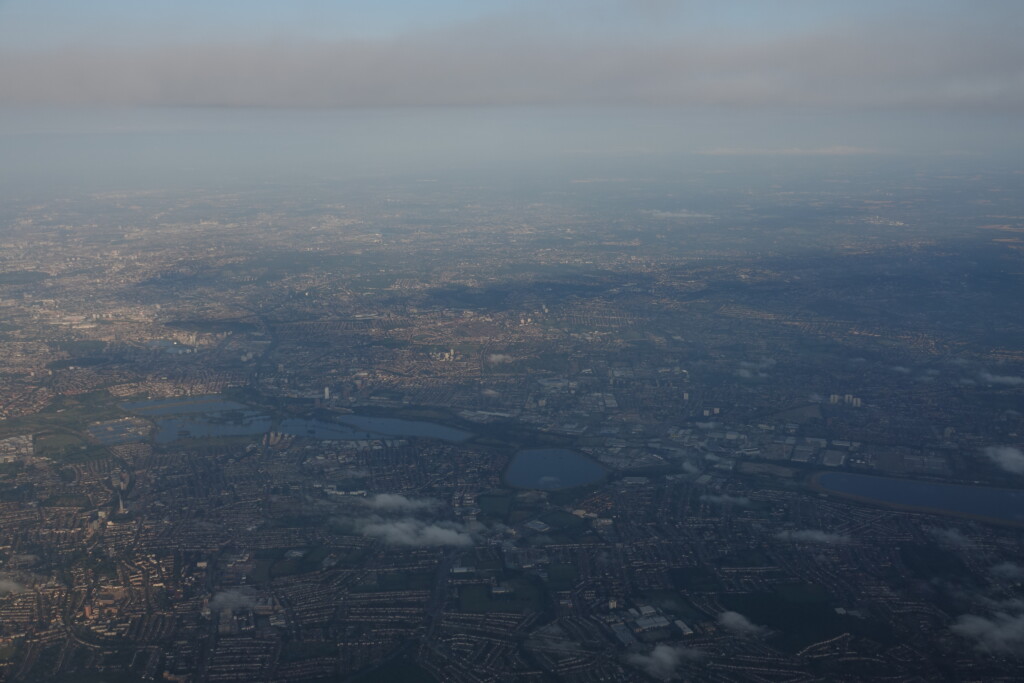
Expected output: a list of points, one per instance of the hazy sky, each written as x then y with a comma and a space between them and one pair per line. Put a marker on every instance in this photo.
822, 53
113, 84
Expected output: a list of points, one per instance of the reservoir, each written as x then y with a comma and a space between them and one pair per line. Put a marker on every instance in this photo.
174, 428
389, 426
960, 499
211, 416
249, 423
552, 469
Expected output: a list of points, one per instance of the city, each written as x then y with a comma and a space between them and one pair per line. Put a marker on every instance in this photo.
709, 426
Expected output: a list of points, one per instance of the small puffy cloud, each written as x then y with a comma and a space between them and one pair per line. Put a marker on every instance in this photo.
994, 605
812, 536
10, 586
1008, 571
400, 520
1007, 380
1007, 457
901, 370
414, 532
354, 473
690, 468
953, 537
232, 600
738, 624
499, 358
399, 503
1001, 633
664, 660
675, 215
726, 500
750, 369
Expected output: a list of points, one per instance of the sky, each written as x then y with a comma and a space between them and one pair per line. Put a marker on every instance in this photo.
792, 77
309, 53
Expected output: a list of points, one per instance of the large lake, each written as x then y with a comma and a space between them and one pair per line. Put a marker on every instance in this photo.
251, 424
226, 418
982, 501
172, 428
551, 469
395, 427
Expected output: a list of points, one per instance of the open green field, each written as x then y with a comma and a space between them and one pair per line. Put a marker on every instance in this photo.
801, 614
66, 414
22, 277
57, 445
7, 651
495, 504
398, 671
562, 577
69, 500
526, 596
296, 651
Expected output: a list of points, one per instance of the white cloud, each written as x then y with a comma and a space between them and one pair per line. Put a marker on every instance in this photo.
1007, 457
1009, 571
1006, 605
675, 215
10, 586
690, 468
757, 369
726, 500
1008, 380
738, 624
664, 660
953, 537
414, 532
398, 502
355, 473
813, 536
233, 600
1001, 633
400, 520
763, 364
